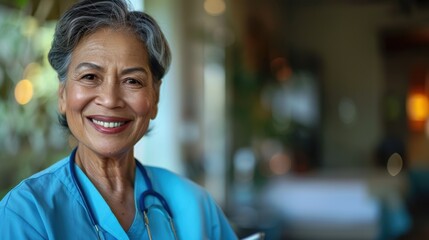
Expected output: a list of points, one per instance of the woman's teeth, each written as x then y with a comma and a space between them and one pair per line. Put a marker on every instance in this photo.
108, 124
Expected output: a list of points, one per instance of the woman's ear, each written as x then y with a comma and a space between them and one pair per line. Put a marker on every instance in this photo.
156, 87
62, 98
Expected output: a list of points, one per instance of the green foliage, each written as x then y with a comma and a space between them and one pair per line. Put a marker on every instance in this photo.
30, 137
21, 3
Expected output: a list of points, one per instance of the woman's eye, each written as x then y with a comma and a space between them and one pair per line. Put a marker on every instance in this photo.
132, 81
89, 77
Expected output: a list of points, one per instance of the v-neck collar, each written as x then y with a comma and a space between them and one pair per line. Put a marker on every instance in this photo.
104, 215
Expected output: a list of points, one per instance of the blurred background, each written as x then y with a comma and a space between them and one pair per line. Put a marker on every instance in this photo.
304, 119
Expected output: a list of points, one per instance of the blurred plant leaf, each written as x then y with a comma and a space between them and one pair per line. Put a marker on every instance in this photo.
21, 3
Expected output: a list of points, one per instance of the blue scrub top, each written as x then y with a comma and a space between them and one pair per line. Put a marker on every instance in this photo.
48, 205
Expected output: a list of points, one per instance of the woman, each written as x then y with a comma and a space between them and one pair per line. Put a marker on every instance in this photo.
110, 62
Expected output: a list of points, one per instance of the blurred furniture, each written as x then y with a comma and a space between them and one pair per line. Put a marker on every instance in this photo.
329, 205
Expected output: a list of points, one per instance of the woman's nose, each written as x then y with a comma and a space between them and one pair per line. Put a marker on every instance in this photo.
110, 95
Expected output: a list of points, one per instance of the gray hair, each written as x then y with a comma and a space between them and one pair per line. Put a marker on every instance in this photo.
88, 16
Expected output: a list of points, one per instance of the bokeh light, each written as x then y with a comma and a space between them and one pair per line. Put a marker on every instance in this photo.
32, 71
280, 163
394, 164
418, 107
24, 91
214, 7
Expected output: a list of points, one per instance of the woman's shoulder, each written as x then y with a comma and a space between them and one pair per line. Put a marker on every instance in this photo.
56, 168
55, 171
39, 184
170, 181
32, 209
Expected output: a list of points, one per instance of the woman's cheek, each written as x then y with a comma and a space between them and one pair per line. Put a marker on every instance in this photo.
146, 106
79, 97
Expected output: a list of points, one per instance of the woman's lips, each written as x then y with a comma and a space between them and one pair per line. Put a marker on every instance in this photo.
109, 125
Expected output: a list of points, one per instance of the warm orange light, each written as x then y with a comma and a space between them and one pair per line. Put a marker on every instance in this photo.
23, 91
214, 7
418, 107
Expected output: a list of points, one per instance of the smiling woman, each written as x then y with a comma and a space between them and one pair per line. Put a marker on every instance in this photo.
110, 62
110, 95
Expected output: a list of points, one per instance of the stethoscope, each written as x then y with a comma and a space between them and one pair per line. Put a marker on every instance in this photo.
142, 205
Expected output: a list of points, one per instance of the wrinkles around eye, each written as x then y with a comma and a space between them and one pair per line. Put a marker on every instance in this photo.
89, 76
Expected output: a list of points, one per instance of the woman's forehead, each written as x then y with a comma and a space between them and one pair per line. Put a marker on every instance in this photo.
111, 45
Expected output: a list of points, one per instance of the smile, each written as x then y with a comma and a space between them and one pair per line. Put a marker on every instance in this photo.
108, 124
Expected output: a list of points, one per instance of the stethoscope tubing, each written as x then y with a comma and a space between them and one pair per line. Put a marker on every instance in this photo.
82, 194
142, 205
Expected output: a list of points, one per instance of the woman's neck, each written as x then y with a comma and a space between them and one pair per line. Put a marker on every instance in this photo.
114, 179
113, 172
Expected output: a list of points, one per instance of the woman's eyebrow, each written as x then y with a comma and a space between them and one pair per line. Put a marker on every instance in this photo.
134, 69
87, 65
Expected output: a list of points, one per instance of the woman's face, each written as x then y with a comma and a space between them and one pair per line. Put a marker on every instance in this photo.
109, 96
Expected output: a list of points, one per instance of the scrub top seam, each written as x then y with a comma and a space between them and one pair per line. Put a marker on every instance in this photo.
22, 219
71, 188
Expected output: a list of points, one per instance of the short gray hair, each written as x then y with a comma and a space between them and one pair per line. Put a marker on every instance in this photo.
88, 16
